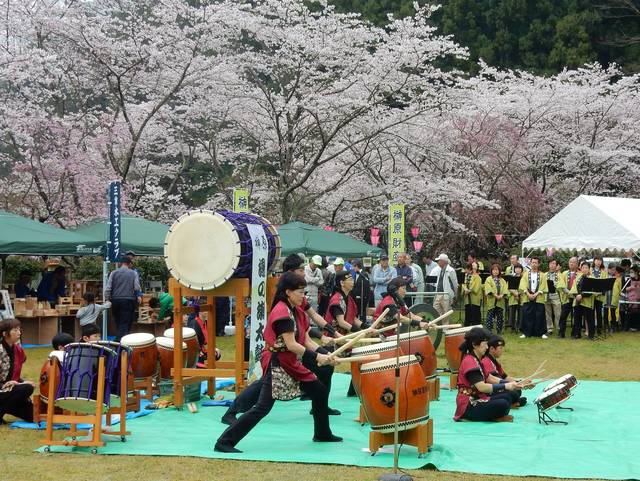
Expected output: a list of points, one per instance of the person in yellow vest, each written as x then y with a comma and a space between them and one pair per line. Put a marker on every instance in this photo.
552, 307
599, 272
613, 298
533, 286
471, 258
565, 283
583, 303
472, 294
515, 302
513, 263
496, 290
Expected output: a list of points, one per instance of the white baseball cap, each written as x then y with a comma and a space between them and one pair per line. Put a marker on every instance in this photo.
317, 260
442, 257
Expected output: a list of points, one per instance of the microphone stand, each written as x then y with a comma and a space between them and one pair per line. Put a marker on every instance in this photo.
396, 476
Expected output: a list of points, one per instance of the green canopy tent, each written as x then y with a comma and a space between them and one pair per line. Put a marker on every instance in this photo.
144, 237
19, 235
298, 237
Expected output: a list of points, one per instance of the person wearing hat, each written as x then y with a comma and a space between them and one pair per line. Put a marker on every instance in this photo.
315, 280
342, 312
393, 300
494, 372
329, 286
122, 288
382, 274
446, 285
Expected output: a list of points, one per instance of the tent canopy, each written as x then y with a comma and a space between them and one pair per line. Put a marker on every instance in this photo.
19, 235
591, 223
298, 237
144, 237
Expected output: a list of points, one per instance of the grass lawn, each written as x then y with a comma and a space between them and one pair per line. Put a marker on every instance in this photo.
615, 359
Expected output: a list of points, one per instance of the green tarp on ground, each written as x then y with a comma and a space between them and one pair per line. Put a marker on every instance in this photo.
19, 235
144, 237
601, 440
299, 237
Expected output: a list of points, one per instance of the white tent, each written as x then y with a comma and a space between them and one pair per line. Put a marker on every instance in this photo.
591, 223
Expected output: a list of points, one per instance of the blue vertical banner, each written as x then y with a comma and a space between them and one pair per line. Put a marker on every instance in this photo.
114, 244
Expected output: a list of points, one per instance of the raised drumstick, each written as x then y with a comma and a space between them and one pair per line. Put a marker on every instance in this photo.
360, 335
370, 357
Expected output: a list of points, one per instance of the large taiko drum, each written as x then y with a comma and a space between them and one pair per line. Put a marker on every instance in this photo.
377, 383
553, 397
116, 370
45, 375
452, 340
191, 340
569, 381
203, 249
386, 350
79, 379
165, 353
419, 344
144, 353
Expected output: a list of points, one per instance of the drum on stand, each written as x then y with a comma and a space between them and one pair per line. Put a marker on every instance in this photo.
144, 354
191, 340
569, 380
45, 375
452, 340
79, 377
165, 353
203, 249
419, 344
386, 350
553, 397
377, 383
116, 370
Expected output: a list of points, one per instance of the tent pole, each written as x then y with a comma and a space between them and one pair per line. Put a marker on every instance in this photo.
3, 264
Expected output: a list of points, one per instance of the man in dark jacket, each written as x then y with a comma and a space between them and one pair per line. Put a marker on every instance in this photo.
361, 292
122, 289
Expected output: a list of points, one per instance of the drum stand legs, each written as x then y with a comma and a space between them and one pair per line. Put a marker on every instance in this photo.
543, 416
420, 436
124, 403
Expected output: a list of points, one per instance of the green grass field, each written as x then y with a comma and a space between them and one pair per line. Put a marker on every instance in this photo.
614, 359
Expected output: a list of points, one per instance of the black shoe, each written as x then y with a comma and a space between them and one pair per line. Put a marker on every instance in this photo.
331, 412
560, 336
329, 439
305, 397
225, 448
522, 401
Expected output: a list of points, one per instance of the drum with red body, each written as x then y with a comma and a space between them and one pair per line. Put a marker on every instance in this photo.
45, 375
553, 397
452, 340
144, 353
419, 344
191, 340
386, 350
378, 397
569, 380
165, 353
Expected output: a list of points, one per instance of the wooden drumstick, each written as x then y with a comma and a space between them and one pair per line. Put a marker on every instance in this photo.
447, 326
360, 335
442, 317
364, 340
370, 357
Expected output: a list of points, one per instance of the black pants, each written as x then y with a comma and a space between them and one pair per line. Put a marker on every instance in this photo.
472, 315
514, 317
533, 322
567, 309
123, 312
17, 402
597, 308
611, 321
583, 314
497, 406
315, 390
250, 395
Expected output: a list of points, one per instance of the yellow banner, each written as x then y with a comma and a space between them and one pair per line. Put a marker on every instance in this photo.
240, 200
396, 231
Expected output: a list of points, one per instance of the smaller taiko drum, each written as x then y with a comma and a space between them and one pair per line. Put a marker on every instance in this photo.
452, 340
569, 380
45, 375
553, 397
419, 344
378, 397
144, 353
191, 340
386, 350
165, 353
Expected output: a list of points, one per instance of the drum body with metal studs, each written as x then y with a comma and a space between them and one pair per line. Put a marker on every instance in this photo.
452, 340
165, 353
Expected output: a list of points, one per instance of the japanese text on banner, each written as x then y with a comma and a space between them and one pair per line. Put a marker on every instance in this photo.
114, 245
258, 298
240, 200
396, 231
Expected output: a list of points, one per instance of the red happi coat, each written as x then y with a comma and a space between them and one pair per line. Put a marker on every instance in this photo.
348, 306
467, 392
388, 301
490, 365
275, 346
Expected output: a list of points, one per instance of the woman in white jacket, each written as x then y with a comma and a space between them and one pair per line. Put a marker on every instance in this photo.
313, 276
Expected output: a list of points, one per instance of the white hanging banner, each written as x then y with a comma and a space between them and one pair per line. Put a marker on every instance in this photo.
260, 253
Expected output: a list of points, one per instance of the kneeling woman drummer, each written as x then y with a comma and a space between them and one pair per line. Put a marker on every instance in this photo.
286, 342
478, 400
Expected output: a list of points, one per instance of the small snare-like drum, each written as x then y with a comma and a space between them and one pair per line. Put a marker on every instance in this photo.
553, 397
79, 377
452, 340
419, 344
569, 380
144, 353
386, 350
377, 382
191, 340
165, 353
204, 249
118, 348
45, 375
